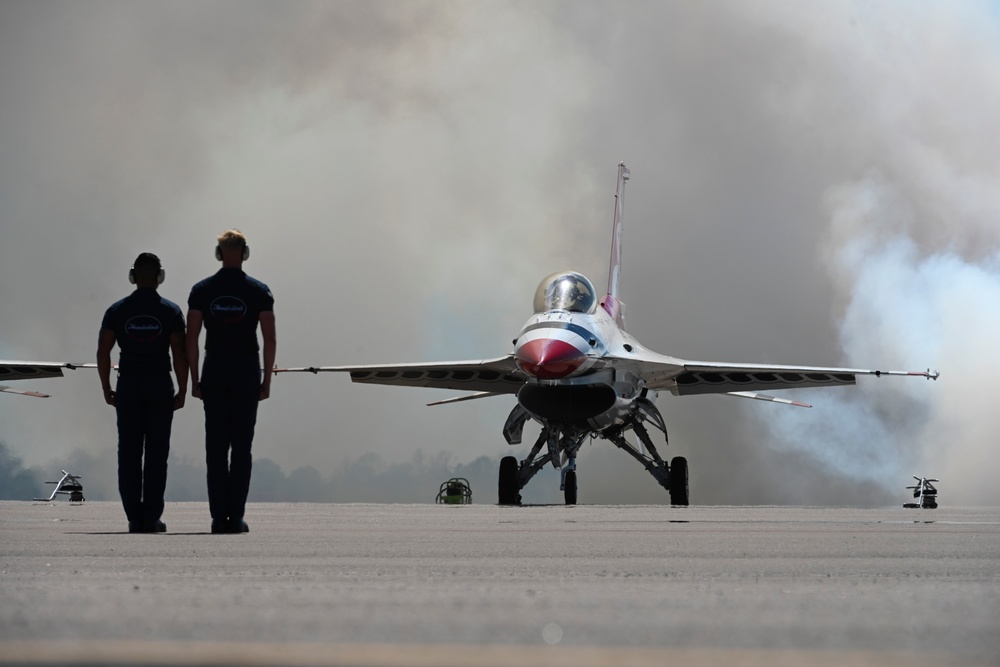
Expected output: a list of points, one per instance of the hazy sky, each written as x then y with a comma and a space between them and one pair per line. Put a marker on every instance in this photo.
812, 183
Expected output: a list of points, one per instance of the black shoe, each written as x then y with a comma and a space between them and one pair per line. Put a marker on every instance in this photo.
238, 526
219, 526
147, 527
155, 527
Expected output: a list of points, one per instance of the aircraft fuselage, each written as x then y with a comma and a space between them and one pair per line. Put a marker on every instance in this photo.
563, 353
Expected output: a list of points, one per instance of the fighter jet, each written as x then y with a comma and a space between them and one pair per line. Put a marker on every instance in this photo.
577, 372
33, 370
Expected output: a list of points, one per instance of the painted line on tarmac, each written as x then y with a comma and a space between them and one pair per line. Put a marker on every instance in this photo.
259, 654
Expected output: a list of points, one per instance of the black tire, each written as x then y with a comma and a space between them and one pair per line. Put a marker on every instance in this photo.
508, 487
679, 481
569, 487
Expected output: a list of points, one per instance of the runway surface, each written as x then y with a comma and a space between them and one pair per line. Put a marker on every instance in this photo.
481, 585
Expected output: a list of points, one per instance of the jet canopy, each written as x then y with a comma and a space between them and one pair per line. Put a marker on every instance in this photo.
565, 290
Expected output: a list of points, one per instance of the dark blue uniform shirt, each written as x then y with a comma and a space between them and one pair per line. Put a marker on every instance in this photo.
231, 303
143, 322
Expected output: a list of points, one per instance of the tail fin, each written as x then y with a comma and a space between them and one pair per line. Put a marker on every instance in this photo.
612, 302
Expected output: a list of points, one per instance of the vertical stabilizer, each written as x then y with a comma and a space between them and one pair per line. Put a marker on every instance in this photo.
612, 302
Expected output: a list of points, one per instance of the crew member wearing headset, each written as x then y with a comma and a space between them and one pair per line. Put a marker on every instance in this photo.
230, 305
149, 330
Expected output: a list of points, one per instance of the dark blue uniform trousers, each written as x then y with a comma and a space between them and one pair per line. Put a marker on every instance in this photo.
145, 407
230, 395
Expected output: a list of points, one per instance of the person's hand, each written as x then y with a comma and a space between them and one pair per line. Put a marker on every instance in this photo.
196, 390
265, 391
109, 396
179, 400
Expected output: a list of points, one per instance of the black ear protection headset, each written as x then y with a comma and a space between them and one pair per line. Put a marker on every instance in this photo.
246, 252
160, 276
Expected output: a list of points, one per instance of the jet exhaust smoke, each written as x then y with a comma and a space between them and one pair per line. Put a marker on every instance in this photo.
904, 305
804, 177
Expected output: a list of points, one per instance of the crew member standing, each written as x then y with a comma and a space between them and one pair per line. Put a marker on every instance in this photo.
148, 330
230, 305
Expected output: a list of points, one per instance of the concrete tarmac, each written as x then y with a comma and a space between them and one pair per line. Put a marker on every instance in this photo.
481, 585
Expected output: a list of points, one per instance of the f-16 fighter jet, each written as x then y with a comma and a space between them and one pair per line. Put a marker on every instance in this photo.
577, 372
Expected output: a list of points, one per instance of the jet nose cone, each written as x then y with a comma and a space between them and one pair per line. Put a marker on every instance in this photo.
548, 358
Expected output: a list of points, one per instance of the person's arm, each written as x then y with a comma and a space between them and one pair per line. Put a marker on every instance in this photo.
178, 352
105, 343
267, 331
193, 332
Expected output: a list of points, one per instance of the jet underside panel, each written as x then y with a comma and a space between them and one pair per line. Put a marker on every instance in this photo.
721, 382
28, 370
686, 378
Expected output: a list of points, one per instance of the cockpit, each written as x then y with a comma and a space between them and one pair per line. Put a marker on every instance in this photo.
566, 290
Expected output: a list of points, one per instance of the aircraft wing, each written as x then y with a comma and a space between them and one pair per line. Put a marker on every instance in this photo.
685, 378
492, 376
33, 370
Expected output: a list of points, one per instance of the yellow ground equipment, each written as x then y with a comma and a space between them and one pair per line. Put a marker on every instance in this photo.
455, 491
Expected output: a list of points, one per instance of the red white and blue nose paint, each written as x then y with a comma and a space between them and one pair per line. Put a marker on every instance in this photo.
550, 354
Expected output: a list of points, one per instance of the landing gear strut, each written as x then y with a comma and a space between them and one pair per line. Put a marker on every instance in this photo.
563, 442
673, 477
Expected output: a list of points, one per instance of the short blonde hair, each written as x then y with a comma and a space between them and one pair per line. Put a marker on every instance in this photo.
232, 238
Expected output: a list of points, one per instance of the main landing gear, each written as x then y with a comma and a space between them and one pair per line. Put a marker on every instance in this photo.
563, 443
672, 477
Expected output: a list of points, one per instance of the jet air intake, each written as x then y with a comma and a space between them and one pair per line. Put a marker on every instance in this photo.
570, 404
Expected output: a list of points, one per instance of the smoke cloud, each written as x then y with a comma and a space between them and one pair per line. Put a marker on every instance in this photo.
810, 185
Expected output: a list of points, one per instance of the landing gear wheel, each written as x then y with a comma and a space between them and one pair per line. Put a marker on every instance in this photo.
679, 481
569, 487
508, 487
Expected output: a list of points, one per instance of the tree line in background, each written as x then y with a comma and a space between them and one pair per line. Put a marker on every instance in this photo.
367, 479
